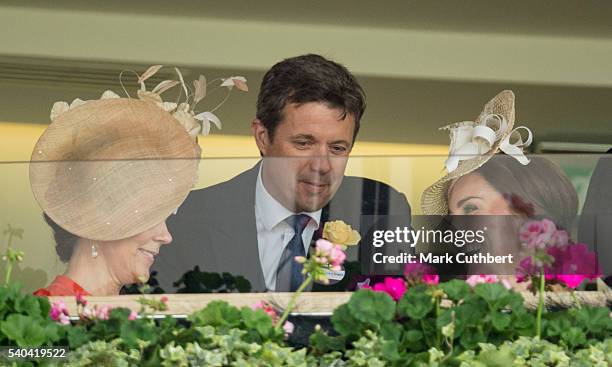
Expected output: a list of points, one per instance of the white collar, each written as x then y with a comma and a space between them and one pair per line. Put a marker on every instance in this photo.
270, 211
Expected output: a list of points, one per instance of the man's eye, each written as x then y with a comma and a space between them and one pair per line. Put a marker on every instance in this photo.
301, 144
469, 208
338, 149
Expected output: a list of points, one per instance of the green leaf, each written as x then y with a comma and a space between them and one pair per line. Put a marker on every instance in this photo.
500, 320
77, 336
323, 343
258, 320
217, 314
23, 330
596, 319
471, 337
574, 337
389, 350
391, 330
497, 358
413, 336
556, 326
344, 322
415, 304
28, 305
456, 289
371, 307
137, 331
54, 332
495, 294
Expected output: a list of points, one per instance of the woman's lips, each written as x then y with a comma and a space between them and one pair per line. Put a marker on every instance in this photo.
149, 255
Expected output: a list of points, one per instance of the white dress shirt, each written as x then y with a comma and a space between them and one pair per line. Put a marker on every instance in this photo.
273, 233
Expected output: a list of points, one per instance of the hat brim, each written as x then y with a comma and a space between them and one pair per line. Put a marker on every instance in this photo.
111, 169
434, 200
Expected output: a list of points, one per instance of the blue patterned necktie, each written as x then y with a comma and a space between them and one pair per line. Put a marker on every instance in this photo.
289, 273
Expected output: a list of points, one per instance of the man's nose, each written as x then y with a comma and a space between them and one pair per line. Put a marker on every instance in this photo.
321, 162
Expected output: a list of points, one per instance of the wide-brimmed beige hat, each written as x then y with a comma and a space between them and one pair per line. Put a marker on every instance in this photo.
112, 168
473, 143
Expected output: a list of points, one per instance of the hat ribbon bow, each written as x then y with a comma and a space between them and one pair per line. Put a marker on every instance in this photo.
470, 140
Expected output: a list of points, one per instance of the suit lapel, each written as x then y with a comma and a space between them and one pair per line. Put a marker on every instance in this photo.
239, 232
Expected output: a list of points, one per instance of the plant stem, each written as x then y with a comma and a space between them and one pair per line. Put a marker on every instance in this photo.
437, 317
576, 301
9, 265
293, 301
9, 270
540, 305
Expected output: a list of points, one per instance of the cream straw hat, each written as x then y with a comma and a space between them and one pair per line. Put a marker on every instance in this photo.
473, 143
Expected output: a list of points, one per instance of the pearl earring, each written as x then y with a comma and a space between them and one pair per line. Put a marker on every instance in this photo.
94, 251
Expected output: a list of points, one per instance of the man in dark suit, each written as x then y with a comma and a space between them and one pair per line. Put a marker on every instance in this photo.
595, 228
308, 115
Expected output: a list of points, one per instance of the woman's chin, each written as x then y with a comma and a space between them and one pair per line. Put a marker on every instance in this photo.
142, 274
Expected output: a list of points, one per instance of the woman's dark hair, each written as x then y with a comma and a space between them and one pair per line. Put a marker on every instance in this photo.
308, 78
540, 187
65, 241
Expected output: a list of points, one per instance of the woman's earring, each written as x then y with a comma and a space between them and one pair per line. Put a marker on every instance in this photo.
94, 251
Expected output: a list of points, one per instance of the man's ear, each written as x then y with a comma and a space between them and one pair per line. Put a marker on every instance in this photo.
260, 133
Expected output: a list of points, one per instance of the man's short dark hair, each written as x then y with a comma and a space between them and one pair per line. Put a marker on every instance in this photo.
308, 78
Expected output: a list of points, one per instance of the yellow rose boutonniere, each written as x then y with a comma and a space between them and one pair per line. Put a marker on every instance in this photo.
340, 233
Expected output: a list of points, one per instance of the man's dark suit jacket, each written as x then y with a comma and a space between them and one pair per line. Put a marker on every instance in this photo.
596, 219
215, 226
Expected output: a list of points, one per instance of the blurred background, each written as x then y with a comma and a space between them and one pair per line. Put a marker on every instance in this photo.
423, 64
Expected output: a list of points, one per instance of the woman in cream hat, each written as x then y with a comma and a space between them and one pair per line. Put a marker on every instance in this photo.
107, 174
506, 189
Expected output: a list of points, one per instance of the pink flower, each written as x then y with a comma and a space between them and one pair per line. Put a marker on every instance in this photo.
87, 313
133, 315
103, 312
431, 279
63, 319
559, 238
59, 312
288, 327
324, 247
418, 272
472, 280
337, 256
164, 300
537, 234
267, 308
80, 300
571, 280
394, 287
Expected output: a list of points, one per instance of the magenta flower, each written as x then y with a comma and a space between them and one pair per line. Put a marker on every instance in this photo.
537, 234
418, 272
59, 312
133, 315
571, 266
431, 279
394, 287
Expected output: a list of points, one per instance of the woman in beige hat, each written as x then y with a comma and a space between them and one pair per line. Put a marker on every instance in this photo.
506, 188
107, 174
